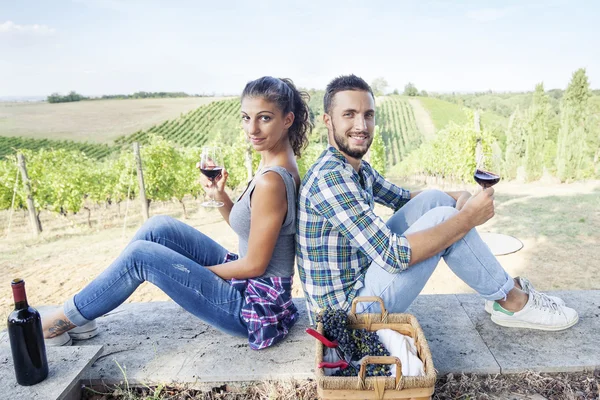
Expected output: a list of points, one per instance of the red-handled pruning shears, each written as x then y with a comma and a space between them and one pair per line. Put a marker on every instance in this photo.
333, 356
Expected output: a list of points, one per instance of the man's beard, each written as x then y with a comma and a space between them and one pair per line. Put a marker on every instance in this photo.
344, 146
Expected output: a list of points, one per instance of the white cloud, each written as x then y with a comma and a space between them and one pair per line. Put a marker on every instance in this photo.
490, 14
35, 29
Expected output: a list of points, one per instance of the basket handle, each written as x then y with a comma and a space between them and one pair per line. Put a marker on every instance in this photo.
382, 360
371, 299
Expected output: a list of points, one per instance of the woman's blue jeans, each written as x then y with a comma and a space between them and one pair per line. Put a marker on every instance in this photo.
469, 258
172, 256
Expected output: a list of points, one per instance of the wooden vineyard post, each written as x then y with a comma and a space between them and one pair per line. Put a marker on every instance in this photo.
140, 175
36, 226
248, 161
478, 146
477, 121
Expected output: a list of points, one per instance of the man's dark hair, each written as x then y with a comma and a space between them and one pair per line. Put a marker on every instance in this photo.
341, 83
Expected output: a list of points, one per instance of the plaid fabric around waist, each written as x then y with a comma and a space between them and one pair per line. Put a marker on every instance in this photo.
268, 309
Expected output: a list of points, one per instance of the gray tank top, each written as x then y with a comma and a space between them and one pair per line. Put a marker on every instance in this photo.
282, 260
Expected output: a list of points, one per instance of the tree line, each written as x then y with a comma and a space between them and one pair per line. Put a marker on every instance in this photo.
561, 141
74, 96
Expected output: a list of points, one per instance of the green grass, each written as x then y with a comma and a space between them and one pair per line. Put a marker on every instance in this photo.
443, 112
567, 218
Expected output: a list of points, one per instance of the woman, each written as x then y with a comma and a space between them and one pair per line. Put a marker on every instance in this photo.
234, 294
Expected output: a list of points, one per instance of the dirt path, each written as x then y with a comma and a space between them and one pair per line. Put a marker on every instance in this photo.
424, 121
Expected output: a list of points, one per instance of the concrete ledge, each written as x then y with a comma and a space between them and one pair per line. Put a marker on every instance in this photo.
516, 350
453, 340
65, 364
160, 342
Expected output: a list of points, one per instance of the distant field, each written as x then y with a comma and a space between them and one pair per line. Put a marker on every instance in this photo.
399, 128
9, 144
99, 121
442, 112
218, 121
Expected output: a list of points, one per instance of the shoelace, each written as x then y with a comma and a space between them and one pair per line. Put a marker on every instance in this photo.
541, 301
526, 285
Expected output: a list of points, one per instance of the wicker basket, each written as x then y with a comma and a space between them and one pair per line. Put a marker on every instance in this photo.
399, 387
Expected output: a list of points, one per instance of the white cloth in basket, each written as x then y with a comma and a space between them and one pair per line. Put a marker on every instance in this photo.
404, 348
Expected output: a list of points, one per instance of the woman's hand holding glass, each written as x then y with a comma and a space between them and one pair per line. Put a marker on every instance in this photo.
213, 176
217, 185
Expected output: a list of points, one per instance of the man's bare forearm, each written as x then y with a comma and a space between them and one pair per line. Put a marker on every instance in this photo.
454, 195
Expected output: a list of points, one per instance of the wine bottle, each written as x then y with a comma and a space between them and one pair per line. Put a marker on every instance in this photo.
26, 339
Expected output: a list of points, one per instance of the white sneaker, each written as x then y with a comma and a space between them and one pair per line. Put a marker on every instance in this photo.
82, 332
61, 340
527, 287
540, 312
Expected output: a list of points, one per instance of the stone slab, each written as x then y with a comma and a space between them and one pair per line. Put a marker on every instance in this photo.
160, 342
455, 344
517, 350
65, 364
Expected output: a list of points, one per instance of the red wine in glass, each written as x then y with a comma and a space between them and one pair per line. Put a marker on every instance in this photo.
211, 165
211, 173
486, 179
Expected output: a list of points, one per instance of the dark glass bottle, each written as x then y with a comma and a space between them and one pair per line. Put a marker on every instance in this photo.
26, 339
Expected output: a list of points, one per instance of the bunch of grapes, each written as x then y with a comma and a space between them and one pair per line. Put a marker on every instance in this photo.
335, 327
378, 370
355, 342
368, 343
349, 371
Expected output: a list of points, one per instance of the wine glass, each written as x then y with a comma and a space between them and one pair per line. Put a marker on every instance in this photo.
482, 175
498, 243
211, 166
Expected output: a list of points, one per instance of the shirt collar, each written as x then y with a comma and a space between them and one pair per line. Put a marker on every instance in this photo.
338, 154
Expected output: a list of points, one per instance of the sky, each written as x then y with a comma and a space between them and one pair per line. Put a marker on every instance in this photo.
100, 47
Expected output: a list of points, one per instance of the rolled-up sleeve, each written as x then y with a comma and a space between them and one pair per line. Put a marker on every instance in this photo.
388, 194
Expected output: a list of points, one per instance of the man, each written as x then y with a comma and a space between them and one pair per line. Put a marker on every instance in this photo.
344, 250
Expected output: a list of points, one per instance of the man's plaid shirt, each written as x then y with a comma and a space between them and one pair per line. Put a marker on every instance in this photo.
338, 234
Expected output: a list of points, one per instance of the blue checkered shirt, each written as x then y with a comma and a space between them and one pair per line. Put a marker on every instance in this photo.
339, 235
